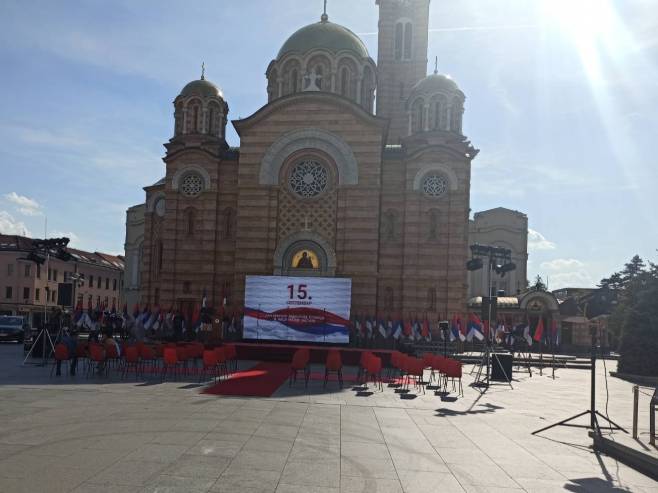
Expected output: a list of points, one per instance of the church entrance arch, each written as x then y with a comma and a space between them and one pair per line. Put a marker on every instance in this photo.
304, 254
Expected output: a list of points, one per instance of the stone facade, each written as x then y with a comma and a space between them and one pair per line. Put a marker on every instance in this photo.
507, 229
369, 197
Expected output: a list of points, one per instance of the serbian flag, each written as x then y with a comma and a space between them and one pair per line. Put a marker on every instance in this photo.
425, 329
485, 326
555, 332
526, 334
381, 327
539, 331
407, 329
196, 316
398, 330
462, 328
474, 328
136, 311
454, 329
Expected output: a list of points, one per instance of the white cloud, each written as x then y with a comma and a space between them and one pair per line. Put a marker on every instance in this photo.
25, 205
566, 272
537, 241
10, 226
560, 264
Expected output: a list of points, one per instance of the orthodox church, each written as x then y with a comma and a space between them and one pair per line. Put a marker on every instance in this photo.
352, 169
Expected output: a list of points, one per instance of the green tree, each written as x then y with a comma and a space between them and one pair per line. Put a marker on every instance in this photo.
638, 351
539, 284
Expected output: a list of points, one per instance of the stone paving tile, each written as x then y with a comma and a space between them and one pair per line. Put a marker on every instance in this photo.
194, 466
351, 484
429, 482
176, 484
130, 473
105, 488
251, 459
312, 473
216, 448
156, 452
482, 475
236, 479
299, 488
364, 450
368, 468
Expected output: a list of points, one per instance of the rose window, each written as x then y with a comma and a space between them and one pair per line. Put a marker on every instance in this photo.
308, 178
435, 185
192, 185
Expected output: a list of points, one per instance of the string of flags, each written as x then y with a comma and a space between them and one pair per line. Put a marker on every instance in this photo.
459, 329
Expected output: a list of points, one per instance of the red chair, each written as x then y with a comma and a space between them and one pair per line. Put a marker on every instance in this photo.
438, 371
414, 369
169, 362
112, 355
209, 359
374, 370
61, 356
300, 362
148, 358
130, 359
182, 356
454, 370
363, 365
333, 364
220, 352
81, 352
97, 361
231, 356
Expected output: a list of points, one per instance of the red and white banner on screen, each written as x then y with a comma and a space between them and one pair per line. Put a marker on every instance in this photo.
314, 309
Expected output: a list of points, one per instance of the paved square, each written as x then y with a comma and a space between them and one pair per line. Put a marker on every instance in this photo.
90, 435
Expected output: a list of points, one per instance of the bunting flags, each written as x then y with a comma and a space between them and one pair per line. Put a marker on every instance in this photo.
474, 328
425, 330
398, 330
539, 330
407, 330
381, 327
555, 333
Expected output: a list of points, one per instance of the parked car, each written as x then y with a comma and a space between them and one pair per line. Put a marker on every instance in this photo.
13, 328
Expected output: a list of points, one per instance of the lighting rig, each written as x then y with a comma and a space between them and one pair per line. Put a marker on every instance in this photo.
40, 254
499, 260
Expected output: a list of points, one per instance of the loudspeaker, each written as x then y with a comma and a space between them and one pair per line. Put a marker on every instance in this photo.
65, 294
486, 301
501, 367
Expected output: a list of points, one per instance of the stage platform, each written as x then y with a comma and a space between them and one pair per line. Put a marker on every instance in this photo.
260, 351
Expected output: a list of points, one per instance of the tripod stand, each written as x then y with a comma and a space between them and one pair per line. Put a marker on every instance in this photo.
593, 413
485, 364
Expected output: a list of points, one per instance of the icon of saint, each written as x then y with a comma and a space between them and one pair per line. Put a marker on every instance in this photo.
305, 262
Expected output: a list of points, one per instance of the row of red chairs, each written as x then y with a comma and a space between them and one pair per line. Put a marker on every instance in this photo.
444, 368
175, 358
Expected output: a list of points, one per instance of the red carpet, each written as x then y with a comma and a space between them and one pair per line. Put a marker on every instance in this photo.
261, 380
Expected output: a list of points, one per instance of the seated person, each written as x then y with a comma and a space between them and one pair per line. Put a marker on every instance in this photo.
70, 340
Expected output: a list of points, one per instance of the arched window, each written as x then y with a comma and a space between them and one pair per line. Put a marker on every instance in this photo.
211, 121
344, 81
433, 225
293, 81
408, 35
398, 41
319, 79
195, 121
435, 114
417, 117
190, 218
431, 299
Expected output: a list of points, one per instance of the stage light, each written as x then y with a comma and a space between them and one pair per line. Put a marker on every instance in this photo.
474, 264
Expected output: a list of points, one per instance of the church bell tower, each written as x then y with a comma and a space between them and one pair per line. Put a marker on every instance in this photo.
401, 59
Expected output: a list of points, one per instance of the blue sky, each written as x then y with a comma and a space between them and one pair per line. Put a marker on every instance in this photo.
562, 101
